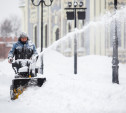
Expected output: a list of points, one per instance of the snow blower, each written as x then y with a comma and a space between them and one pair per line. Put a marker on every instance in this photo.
26, 75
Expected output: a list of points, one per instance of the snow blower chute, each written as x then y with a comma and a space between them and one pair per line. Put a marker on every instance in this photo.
26, 75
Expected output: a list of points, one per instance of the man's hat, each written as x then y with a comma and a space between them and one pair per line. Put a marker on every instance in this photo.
23, 34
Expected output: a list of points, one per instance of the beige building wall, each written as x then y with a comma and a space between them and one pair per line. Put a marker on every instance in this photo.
97, 36
99, 39
23, 8
26, 17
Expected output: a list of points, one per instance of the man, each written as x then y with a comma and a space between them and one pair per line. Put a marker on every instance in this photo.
23, 49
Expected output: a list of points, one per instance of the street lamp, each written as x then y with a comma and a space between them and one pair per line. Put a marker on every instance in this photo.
72, 16
81, 4
115, 60
69, 4
42, 2
75, 4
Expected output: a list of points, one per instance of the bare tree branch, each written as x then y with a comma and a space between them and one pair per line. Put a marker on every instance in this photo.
10, 26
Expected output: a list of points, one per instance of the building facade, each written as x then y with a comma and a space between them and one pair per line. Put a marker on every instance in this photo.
96, 39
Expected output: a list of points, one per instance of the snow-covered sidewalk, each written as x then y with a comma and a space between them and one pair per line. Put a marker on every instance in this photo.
90, 91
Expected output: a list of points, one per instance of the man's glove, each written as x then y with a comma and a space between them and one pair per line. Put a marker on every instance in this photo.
10, 60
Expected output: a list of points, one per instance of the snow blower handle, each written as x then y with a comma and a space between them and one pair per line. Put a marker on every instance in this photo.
34, 58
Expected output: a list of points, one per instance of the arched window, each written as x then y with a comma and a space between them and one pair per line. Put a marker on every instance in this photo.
46, 37
57, 34
35, 36
124, 35
69, 28
82, 40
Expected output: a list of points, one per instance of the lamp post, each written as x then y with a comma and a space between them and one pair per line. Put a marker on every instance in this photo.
115, 60
42, 2
72, 16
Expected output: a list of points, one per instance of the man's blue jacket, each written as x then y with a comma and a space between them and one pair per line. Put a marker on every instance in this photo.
22, 51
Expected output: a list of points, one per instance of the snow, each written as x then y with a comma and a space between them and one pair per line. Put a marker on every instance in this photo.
90, 91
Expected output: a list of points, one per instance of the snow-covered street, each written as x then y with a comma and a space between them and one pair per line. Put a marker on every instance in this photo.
90, 91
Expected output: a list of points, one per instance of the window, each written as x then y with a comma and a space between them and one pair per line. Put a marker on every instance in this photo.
35, 36
57, 34
46, 37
